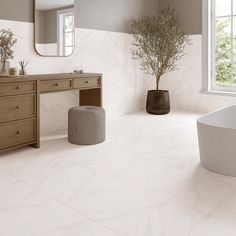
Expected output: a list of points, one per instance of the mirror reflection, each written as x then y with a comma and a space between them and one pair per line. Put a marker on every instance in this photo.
54, 27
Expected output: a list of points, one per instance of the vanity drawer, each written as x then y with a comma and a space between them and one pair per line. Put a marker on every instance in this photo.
55, 85
17, 107
16, 133
87, 82
17, 88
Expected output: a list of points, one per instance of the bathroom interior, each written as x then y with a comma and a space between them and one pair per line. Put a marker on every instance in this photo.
117, 118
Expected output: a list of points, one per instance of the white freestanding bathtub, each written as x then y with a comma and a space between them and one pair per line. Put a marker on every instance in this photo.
217, 141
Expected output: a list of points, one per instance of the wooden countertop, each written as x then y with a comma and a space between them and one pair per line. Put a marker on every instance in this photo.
47, 77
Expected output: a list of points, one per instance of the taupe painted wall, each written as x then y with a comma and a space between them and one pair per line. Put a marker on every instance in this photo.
189, 13
18, 10
111, 15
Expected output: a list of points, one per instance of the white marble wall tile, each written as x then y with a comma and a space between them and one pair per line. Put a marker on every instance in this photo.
49, 49
185, 84
107, 52
54, 110
95, 51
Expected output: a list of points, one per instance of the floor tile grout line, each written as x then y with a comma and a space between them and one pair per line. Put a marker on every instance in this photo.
129, 184
202, 220
167, 199
209, 214
218, 203
63, 203
94, 220
123, 182
68, 206
129, 230
107, 176
118, 180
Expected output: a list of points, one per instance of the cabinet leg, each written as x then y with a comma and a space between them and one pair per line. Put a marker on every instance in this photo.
36, 145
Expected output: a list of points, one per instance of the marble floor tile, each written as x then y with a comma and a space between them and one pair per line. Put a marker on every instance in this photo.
114, 167
145, 180
80, 188
185, 163
204, 193
135, 207
26, 211
83, 228
226, 208
214, 226
170, 219
158, 178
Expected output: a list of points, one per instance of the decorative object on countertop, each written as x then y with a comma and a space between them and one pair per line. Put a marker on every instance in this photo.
159, 43
13, 71
4, 68
23, 65
7, 42
76, 72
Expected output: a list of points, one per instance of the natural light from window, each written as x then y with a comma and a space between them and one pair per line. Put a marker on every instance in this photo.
224, 45
66, 32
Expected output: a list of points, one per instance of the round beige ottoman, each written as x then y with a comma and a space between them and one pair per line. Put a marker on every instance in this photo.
86, 125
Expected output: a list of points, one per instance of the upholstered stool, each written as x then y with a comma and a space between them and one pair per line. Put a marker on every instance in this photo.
86, 125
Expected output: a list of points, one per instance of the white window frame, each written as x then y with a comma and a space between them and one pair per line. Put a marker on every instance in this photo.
208, 52
60, 30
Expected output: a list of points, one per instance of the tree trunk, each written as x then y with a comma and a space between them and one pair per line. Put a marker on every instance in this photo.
157, 82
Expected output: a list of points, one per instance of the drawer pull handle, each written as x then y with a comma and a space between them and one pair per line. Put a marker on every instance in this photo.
18, 132
86, 82
57, 84
18, 107
18, 87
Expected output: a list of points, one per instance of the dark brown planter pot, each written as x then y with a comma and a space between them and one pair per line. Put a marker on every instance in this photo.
158, 102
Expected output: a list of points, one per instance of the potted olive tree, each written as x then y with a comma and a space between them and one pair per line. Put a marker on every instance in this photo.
159, 43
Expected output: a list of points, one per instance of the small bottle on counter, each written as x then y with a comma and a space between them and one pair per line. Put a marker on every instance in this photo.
13, 71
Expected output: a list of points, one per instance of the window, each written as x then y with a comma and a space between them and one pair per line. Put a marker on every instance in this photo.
66, 32
221, 45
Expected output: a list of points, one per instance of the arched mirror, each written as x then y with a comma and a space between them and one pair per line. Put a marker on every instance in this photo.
54, 27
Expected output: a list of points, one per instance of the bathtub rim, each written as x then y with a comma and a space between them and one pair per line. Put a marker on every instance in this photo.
199, 121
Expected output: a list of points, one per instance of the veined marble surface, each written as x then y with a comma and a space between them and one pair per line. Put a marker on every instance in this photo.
95, 51
125, 86
185, 84
145, 180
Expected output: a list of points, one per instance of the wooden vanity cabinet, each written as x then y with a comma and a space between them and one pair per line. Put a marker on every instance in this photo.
18, 114
20, 99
